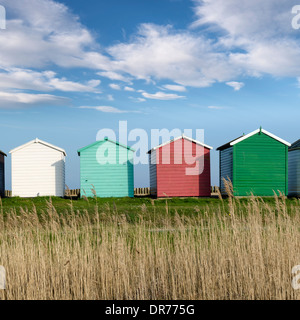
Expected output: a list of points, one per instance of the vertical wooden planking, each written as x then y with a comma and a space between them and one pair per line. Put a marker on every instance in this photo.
294, 169
107, 167
173, 179
226, 167
260, 164
2, 174
38, 169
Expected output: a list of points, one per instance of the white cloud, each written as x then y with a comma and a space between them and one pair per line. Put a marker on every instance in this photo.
216, 107
160, 52
69, 86
21, 100
256, 34
115, 86
174, 87
235, 85
113, 76
259, 19
129, 89
137, 99
47, 33
162, 96
110, 97
108, 109
24, 79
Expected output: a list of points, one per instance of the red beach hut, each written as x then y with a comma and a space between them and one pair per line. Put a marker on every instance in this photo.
180, 168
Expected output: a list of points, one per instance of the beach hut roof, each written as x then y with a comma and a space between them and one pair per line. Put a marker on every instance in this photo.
179, 138
295, 146
41, 142
1, 152
244, 137
106, 139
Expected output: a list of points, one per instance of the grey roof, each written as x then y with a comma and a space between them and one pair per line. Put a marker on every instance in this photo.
295, 145
228, 145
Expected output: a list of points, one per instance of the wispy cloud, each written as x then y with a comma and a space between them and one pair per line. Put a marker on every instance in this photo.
25, 79
115, 86
129, 89
21, 100
113, 76
235, 85
108, 109
216, 107
137, 99
174, 87
162, 96
110, 97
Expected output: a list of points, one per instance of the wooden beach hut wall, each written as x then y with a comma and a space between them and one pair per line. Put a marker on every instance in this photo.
294, 169
169, 169
255, 163
107, 168
38, 169
2, 173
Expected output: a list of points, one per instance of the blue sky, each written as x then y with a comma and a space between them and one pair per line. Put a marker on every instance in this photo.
70, 68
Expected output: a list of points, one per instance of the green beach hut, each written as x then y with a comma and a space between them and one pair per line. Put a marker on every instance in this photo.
107, 167
255, 163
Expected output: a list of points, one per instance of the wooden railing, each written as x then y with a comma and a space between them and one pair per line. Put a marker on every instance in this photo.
142, 192
214, 190
138, 192
8, 194
74, 193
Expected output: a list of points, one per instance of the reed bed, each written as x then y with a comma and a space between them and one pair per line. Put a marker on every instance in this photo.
238, 251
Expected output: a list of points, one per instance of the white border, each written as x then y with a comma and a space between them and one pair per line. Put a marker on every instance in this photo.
182, 137
41, 142
257, 131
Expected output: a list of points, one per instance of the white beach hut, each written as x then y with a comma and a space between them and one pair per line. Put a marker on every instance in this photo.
38, 169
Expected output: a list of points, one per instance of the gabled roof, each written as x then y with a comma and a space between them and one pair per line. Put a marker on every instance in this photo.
105, 140
1, 152
295, 146
41, 142
244, 137
179, 138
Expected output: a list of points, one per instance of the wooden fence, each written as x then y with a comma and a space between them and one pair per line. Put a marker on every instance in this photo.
74, 193
214, 190
138, 192
142, 192
8, 194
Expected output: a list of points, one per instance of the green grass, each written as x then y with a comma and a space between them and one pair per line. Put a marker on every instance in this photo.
126, 206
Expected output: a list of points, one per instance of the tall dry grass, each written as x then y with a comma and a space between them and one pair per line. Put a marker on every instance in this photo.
243, 251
